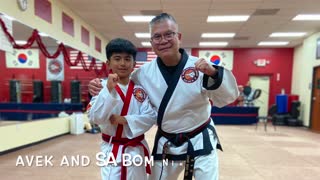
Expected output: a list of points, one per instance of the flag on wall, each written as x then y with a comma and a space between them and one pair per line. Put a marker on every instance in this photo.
87, 59
144, 57
26, 58
219, 58
55, 69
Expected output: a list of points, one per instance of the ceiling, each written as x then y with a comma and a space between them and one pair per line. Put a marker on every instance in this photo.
106, 17
266, 17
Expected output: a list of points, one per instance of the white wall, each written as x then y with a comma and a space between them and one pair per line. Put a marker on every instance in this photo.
303, 63
23, 133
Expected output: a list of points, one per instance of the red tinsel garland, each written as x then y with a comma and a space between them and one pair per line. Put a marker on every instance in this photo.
61, 49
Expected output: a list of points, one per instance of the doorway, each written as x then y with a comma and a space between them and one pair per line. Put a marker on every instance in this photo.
263, 83
315, 101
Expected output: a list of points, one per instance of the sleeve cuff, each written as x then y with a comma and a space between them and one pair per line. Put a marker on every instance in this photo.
213, 82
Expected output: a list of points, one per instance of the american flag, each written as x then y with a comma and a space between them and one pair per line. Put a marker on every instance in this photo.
87, 60
150, 55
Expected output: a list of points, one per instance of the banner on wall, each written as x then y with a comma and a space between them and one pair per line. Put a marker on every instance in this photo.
222, 58
55, 69
5, 44
26, 58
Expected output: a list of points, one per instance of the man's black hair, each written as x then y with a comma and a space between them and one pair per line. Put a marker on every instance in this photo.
120, 45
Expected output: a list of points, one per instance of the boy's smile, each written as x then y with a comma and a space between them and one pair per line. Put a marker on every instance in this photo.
122, 64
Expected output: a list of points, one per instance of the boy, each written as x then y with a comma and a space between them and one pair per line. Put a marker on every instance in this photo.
121, 101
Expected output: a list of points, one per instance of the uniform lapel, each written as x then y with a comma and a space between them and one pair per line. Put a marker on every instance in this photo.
172, 81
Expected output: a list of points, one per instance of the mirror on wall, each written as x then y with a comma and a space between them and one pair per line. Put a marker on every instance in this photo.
22, 32
29, 65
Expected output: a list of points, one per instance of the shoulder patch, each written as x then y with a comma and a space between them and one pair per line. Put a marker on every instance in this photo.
190, 75
139, 94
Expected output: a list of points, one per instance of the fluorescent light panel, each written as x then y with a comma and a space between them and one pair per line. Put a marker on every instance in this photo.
307, 17
217, 35
43, 34
273, 43
288, 34
146, 44
142, 35
227, 18
21, 42
8, 17
213, 43
138, 18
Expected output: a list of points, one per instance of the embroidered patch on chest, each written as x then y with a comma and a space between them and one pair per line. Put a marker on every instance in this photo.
190, 75
139, 94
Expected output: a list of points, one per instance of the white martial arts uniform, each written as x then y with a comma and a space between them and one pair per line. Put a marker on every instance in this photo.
139, 112
187, 110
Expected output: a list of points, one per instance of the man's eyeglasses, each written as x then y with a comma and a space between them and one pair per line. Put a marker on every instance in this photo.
156, 38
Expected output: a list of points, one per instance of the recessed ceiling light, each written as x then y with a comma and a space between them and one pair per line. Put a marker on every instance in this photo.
288, 34
273, 43
217, 35
213, 43
227, 18
146, 44
21, 42
8, 17
138, 18
142, 35
307, 17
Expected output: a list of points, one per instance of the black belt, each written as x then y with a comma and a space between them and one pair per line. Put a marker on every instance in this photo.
181, 138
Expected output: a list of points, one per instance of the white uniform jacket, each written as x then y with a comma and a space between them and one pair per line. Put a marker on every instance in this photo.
140, 115
189, 106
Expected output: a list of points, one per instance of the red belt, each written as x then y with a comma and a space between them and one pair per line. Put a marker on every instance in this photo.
126, 143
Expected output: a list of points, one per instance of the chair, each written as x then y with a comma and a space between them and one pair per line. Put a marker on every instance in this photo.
250, 95
294, 114
271, 112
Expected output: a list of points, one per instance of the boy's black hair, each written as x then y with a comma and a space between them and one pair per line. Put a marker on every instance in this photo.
120, 45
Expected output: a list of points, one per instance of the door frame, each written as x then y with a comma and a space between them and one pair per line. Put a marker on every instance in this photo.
271, 80
312, 86
268, 98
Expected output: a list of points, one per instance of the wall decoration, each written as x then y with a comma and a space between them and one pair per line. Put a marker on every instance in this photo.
26, 58
222, 58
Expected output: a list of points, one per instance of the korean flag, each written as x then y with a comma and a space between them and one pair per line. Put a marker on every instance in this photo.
27, 58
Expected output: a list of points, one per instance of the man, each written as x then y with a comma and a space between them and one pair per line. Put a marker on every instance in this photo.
180, 87
122, 102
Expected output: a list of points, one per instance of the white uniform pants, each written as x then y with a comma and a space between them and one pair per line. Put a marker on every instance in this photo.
114, 172
111, 172
205, 167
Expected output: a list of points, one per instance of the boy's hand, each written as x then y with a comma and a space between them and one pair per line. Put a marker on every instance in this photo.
95, 86
116, 119
112, 81
203, 66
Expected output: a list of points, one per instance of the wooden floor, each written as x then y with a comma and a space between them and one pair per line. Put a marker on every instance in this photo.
285, 154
